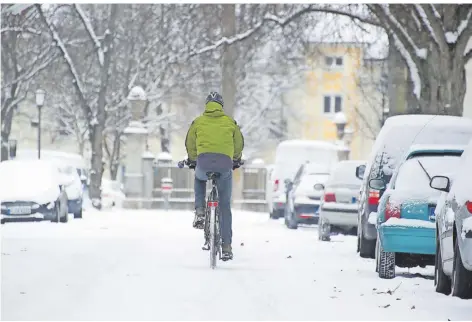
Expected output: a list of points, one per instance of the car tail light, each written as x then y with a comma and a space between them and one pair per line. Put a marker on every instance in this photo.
374, 197
329, 197
392, 210
468, 205
276, 185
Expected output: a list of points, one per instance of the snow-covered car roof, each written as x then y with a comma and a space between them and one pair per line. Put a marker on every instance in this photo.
28, 180
316, 168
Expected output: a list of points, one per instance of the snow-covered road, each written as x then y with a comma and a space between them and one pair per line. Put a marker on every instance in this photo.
137, 265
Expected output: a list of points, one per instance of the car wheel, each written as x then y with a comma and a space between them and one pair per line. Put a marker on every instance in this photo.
56, 214
78, 215
273, 215
386, 263
441, 280
461, 277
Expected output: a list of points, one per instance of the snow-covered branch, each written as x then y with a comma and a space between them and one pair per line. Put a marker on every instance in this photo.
88, 26
21, 30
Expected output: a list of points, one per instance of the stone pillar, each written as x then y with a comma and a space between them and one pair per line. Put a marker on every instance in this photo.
135, 147
148, 178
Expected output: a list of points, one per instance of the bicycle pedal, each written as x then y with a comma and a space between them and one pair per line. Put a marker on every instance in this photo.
226, 258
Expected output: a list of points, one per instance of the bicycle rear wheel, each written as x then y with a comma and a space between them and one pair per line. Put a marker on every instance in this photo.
213, 236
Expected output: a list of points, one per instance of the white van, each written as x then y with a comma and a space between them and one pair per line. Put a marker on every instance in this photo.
289, 156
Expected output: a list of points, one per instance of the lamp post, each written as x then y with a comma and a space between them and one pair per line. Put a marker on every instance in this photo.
40, 96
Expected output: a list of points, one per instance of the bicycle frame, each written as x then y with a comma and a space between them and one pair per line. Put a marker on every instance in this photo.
212, 227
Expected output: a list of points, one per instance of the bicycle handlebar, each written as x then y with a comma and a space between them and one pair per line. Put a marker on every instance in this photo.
192, 165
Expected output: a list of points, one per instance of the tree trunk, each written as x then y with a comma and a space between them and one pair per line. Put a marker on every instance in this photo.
228, 60
96, 137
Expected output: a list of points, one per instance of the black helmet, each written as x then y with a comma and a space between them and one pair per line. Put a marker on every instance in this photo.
215, 97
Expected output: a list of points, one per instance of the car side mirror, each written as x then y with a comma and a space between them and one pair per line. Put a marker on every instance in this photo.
440, 183
319, 186
360, 170
377, 184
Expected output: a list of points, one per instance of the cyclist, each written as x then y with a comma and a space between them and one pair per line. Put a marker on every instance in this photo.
215, 143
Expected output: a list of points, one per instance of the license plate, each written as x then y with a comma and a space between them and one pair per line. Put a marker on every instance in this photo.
432, 216
20, 210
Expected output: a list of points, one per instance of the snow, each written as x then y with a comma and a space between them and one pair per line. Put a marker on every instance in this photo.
402, 131
414, 73
91, 32
137, 93
451, 37
412, 183
345, 173
135, 130
258, 162
164, 156
29, 180
461, 187
416, 223
467, 225
373, 218
426, 21
147, 155
85, 266
340, 118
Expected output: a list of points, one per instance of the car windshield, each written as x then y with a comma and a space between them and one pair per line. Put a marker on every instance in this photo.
308, 181
345, 174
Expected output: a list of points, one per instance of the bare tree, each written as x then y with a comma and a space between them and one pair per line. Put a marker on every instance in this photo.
26, 51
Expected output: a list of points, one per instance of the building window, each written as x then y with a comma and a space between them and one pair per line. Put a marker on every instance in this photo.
334, 61
332, 104
338, 102
327, 104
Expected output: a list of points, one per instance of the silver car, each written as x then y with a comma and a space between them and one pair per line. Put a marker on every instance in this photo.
453, 267
339, 204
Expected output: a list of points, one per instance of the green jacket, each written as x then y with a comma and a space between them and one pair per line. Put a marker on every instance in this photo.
214, 132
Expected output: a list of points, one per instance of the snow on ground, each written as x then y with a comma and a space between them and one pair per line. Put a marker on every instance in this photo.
137, 265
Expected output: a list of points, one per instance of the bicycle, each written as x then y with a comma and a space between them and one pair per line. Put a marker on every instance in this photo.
211, 226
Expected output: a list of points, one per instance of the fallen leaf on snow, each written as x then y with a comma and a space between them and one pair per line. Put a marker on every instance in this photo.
242, 244
385, 306
289, 256
413, 307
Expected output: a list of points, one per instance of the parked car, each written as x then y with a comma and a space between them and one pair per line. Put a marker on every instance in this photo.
339, 203
73, 187
405, 220
393, 141
112, 194
289, 156
303, 194
453, 266
32, 190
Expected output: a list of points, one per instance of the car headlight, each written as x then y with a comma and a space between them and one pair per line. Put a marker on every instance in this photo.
4, 207
35, 206
51, 205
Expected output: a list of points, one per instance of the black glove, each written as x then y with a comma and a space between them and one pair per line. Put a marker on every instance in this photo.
237, 163
191, 164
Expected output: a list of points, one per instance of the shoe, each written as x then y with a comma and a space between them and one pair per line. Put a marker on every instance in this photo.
227, 252
199, 218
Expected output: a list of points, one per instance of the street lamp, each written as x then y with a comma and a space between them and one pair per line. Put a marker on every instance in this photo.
40, 96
